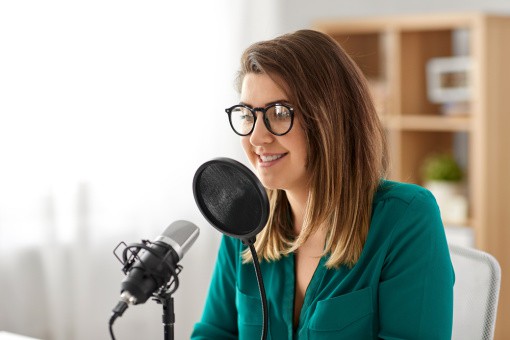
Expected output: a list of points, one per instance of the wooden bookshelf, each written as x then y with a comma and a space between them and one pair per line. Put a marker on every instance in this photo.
393, 52
427, 123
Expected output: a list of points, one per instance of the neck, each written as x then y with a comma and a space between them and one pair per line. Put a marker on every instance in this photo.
297, 202
314, 245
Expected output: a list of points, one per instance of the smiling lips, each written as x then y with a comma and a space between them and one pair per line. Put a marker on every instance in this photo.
269, 160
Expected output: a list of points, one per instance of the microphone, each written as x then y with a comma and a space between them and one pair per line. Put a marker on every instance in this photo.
151, 265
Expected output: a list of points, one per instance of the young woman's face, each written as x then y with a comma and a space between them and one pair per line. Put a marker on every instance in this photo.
279, 160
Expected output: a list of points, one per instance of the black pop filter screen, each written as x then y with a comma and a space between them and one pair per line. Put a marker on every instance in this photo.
231, 197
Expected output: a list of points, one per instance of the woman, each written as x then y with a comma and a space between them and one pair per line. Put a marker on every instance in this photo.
345, 254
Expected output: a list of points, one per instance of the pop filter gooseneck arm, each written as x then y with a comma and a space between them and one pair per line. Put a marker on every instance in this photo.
232, 199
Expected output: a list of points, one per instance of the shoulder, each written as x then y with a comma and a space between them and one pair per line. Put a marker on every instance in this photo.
231, 244
230, 250
405, 208
405, 193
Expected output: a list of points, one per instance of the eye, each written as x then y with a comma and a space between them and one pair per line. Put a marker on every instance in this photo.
241, 113
247, 117
280, 112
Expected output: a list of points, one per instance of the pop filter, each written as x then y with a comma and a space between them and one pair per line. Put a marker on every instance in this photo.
234, 201
231, 198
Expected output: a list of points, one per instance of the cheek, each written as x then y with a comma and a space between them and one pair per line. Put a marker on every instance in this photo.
245, 143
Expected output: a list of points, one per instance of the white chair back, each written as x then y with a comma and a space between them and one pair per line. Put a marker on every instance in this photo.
476, 291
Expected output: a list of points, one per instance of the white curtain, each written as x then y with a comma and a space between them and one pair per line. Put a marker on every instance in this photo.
107, 108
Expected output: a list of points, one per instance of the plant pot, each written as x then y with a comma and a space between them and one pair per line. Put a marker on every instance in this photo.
451, 199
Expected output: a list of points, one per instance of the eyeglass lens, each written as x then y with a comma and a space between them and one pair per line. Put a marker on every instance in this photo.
277, 118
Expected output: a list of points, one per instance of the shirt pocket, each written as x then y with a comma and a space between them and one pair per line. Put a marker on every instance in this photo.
347, 316
249, 316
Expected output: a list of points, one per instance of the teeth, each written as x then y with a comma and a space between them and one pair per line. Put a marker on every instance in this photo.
270, 158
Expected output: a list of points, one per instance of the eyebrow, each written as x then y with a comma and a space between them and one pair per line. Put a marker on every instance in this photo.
283, 101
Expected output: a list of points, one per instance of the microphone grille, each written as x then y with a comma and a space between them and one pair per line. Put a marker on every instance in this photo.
181, 235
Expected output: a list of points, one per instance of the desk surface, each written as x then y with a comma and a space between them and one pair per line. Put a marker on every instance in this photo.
10, 336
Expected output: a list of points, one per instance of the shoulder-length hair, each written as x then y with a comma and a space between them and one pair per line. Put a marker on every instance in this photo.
346, 145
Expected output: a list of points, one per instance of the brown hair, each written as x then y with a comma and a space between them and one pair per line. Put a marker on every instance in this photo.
342, 128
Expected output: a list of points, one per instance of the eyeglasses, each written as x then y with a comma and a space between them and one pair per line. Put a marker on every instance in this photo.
278, 118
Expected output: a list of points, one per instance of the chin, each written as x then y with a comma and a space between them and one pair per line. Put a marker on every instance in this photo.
269, 184
270, 187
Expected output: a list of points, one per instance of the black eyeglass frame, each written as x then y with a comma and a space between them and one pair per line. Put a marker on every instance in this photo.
266, 121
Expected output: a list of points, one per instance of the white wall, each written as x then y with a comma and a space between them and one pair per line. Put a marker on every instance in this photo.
298, 14
107, 108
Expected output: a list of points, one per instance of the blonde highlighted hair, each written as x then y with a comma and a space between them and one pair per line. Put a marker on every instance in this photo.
346, 146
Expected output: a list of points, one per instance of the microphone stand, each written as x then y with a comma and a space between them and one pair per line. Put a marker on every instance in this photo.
164, 297
249, 242
168, 317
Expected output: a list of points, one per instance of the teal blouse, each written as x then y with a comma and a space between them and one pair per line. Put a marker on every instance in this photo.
401, 287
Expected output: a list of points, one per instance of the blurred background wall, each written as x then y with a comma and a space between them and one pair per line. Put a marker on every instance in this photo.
107, 108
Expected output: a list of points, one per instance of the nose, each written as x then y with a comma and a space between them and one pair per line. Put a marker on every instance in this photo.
260, 134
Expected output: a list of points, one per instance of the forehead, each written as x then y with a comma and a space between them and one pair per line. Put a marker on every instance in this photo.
261, 89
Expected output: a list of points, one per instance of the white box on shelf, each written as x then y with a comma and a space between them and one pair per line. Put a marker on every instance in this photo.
449, 79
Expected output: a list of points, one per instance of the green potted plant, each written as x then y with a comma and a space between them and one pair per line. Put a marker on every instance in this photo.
443, 176
441, 167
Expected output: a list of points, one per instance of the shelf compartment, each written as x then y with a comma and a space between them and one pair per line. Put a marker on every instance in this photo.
366, 49
416, 49
415, 146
